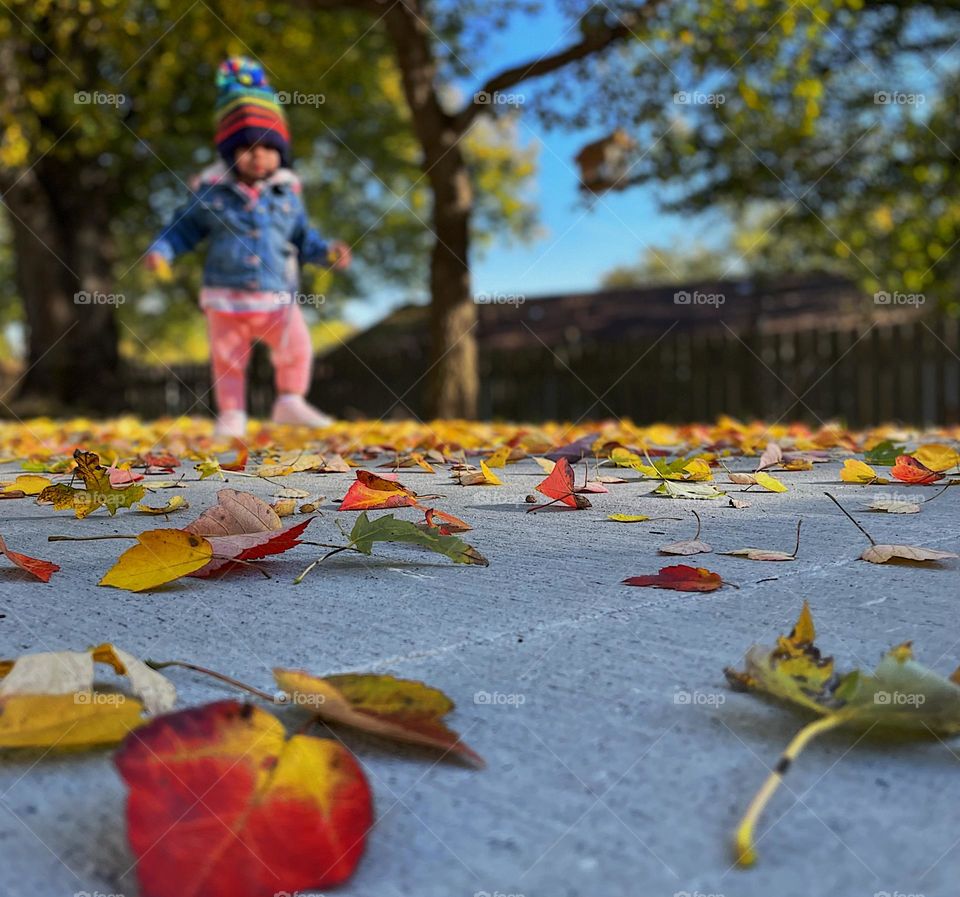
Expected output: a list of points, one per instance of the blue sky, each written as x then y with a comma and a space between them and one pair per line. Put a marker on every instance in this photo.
577, 245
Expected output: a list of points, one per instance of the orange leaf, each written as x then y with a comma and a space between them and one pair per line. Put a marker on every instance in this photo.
448, 524
223, 804
681, 578
910, 470
42, 570
373, 493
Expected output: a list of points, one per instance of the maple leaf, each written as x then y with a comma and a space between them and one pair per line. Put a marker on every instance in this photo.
229, 552
277, 815
98, 490
900, 696
559, 486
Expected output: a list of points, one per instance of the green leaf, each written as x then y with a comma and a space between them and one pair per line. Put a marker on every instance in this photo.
885, 454
388, 528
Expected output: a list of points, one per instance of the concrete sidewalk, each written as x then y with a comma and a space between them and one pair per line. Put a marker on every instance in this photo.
618, 760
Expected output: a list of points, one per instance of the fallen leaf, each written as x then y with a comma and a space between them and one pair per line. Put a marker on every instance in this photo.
900, 696
771, 457
770, 483
627, 518
97, 491
235, 512
372, 493
559, 486
880, 554
446, 523
160, 556
48, 699
499, 457
894, 506
937, 457
388, 528
177, 503
764, 554
862, 474
277, 815
701, 491
688, 546
910, 470
230, 552
42, 570
680, 578
28, 484
399, 709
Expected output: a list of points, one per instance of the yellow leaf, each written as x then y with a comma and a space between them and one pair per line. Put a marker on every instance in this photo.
28, 484
76, 720
698, 470
177, 503
935, 456
772, 484
627, 518
499, 457
858, 472
161, 556
490, 478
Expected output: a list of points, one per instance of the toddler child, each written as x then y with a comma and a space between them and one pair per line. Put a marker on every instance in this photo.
249, 209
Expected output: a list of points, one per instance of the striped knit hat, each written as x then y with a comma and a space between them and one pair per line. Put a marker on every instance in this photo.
247, 111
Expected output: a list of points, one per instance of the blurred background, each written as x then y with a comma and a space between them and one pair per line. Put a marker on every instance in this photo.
659, 210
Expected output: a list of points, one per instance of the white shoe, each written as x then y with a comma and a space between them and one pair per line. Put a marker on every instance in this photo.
297, 411
231, 424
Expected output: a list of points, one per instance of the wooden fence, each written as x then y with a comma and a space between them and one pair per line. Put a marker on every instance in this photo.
857, 372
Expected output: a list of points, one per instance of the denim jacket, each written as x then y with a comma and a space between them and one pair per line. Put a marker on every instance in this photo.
253, 243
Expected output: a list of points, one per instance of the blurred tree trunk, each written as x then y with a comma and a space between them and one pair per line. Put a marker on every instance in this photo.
63, 246
453, 382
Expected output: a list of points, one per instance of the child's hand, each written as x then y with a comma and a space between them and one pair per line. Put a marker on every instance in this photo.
339, 255
156, 264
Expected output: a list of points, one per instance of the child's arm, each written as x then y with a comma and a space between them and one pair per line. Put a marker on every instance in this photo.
314, 249
186, 229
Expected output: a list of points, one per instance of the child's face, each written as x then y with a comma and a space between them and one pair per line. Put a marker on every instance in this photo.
253, 163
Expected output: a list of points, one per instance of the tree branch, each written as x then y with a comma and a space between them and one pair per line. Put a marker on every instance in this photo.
591, 44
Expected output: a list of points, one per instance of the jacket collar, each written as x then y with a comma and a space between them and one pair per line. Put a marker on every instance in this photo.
218, 173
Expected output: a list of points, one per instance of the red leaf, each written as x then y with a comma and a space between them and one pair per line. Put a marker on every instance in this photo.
560, 484
681, 578
909, 470
373, 493
250, 547
43, 570
223, 804
243, 453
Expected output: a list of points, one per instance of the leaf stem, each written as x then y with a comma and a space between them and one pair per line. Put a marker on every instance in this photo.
850, 518
86, 538
796, 550
745, 852
222, 677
